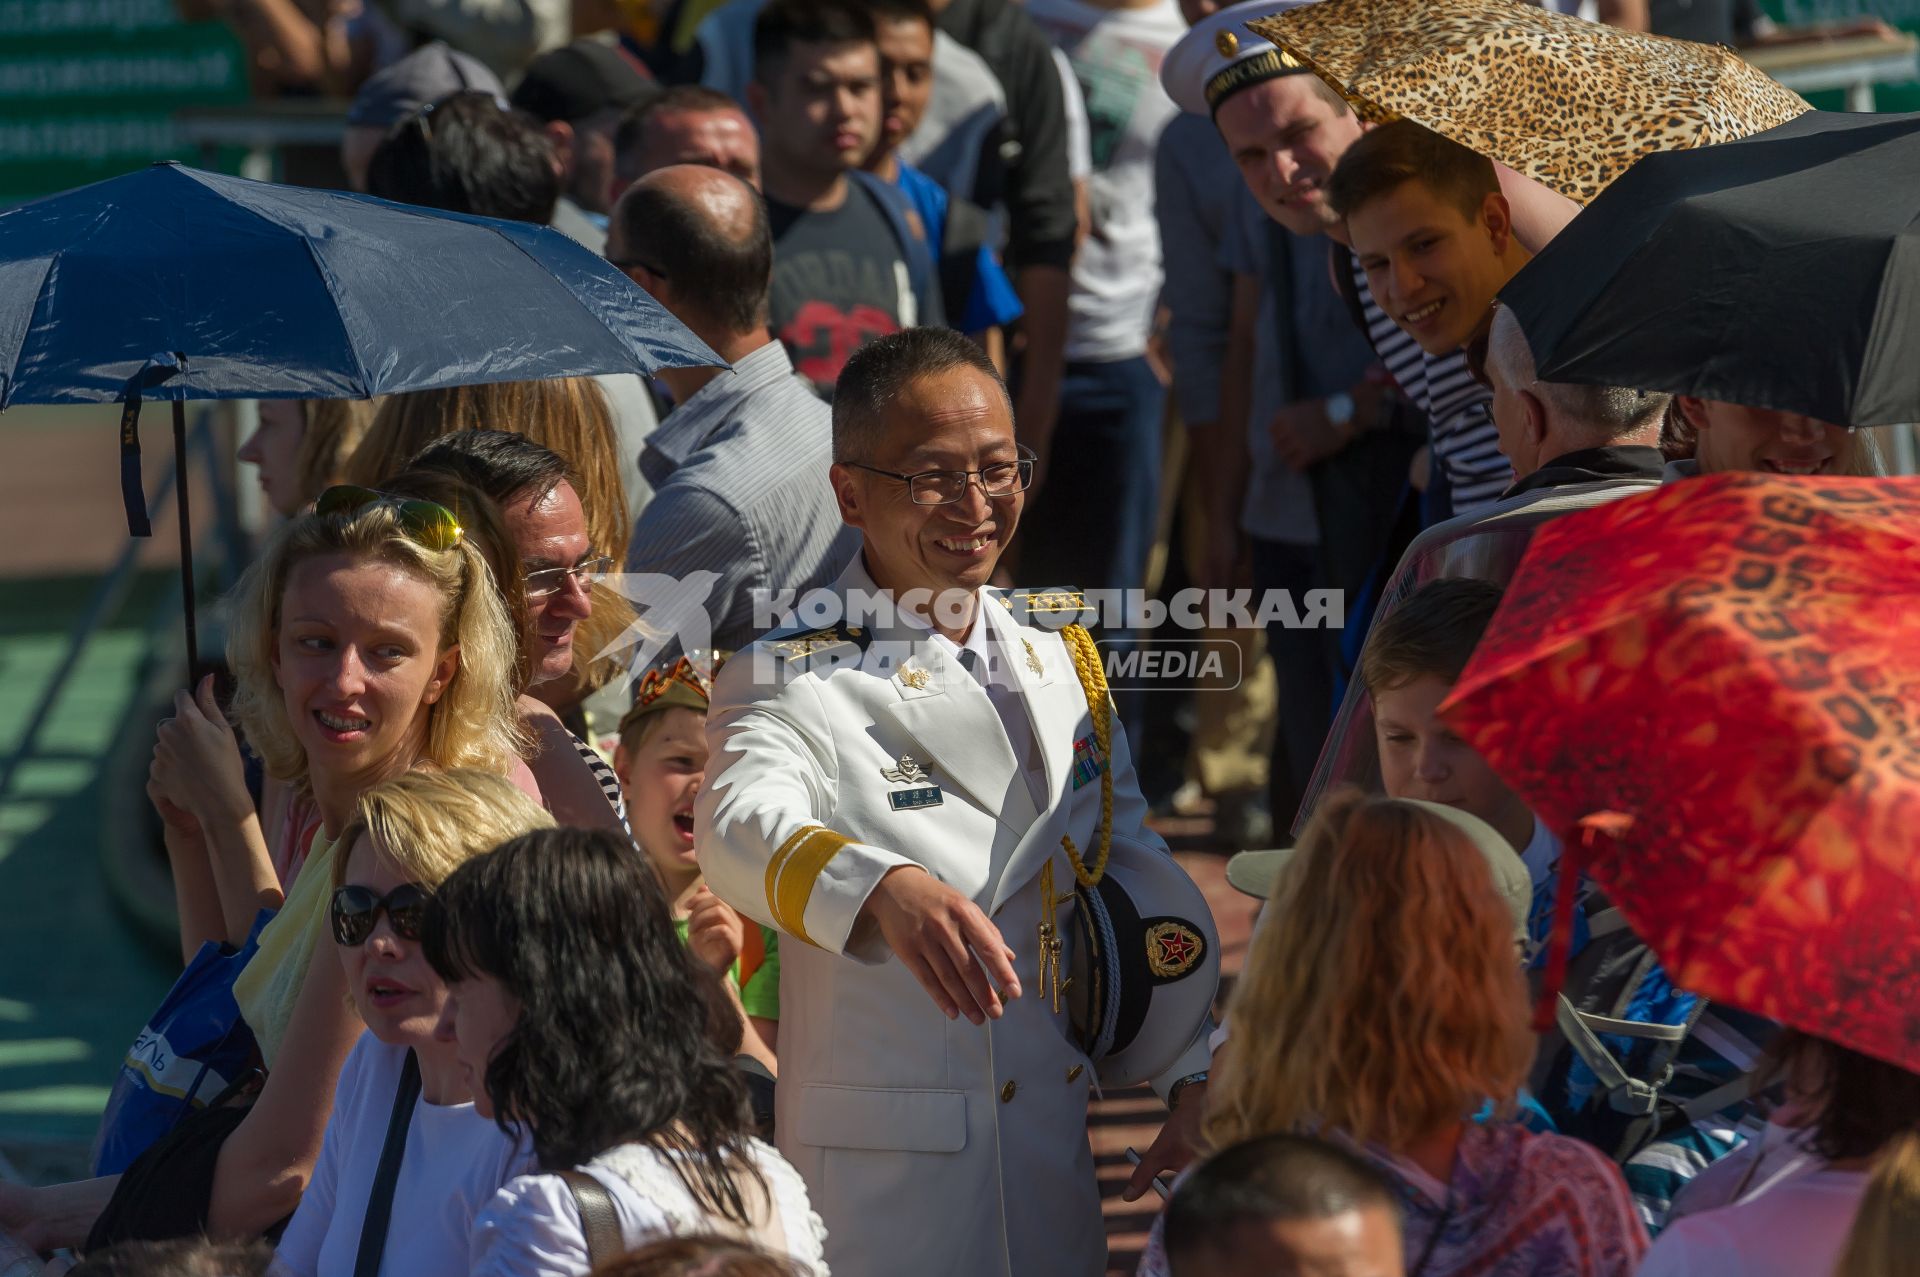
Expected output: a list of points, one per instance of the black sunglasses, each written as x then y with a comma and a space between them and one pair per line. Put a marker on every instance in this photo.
357, 909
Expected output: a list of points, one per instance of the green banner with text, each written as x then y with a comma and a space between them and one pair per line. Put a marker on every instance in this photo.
88, 88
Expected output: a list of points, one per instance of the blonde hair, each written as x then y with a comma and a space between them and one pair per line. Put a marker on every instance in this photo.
568, 415
472, 724
1382, 998
427, 824
1885, 1238
331, 430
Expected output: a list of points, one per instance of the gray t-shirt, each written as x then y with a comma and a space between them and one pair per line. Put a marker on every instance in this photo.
838, 282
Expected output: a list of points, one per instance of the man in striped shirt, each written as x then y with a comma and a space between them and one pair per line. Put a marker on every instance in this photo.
1432, 237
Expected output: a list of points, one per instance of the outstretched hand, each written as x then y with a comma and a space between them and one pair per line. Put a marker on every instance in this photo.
950, 945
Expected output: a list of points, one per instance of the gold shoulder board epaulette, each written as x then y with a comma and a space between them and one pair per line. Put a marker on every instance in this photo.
800, 642
1052, 608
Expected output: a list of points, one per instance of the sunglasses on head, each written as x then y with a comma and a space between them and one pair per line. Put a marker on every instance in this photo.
427, 524
356, 910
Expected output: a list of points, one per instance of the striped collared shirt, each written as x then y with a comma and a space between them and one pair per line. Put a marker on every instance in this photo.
740, 490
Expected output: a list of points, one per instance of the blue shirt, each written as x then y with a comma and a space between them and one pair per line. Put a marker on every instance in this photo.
992, 303
741, 492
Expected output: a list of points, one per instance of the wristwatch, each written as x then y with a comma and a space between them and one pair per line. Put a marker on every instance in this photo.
1340, 409
1173, 1092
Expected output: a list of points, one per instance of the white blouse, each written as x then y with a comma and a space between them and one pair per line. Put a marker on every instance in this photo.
532, 1226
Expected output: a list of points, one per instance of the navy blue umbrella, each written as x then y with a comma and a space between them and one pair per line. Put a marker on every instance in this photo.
172, 283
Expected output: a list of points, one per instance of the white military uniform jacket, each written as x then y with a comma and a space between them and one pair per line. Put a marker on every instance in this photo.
929, 1146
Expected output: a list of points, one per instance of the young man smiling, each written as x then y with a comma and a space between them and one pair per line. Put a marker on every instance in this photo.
850, 257
1434, 237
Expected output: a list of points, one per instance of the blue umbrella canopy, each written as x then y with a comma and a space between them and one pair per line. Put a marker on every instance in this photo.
180, 284
172, 283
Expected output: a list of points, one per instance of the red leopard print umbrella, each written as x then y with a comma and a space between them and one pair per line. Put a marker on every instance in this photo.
1733, 664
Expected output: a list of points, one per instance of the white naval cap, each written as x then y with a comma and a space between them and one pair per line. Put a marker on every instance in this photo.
1221, 55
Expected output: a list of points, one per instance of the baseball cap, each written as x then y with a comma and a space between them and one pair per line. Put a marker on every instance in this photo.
580, 79
1255, 873
429, 73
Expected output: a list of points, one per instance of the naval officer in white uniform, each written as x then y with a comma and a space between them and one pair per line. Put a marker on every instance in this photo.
911, 793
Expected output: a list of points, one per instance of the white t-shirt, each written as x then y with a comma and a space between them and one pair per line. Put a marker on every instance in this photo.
1116, 56
455, 1162
1795, 1227
532, 1226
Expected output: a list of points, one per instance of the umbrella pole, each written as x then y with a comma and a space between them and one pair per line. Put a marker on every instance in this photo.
186, 539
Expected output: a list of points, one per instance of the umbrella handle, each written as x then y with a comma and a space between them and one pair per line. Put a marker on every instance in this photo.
1574, 858
186, 540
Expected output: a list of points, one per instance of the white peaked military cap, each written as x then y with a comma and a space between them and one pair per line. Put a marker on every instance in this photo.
1221, 55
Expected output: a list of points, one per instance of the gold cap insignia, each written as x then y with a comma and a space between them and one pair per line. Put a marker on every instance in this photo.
1227, 42
1173, 949
917, 679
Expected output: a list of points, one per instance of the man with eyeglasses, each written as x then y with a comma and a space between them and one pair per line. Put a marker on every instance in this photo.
911, 793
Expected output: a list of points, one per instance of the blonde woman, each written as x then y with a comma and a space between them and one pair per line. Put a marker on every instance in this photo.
409, 833
367, 640
301, 447
1383, 1006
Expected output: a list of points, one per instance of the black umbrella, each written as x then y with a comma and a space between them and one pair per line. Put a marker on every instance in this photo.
1780, 271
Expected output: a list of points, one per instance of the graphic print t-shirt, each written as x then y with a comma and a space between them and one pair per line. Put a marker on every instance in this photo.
838, 282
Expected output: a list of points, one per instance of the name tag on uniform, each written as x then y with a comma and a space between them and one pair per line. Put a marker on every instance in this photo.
1088, 761
914, 799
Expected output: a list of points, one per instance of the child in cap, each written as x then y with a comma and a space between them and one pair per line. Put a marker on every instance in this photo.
661, 759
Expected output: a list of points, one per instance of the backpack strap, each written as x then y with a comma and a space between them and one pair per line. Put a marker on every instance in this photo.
599, 1222
914, 249
1626, 1093
373, 1226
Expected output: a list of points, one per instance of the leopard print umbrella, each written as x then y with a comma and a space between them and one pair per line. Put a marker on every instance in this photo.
1570, 103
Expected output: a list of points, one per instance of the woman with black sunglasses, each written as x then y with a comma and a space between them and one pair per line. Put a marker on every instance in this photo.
367, 640
408, 835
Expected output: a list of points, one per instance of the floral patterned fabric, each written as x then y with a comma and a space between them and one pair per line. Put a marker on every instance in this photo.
1518, 1205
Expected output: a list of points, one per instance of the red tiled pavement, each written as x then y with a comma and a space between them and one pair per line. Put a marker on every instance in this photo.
1132, 1118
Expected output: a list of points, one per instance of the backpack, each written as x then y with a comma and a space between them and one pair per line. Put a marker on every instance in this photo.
1624, 1066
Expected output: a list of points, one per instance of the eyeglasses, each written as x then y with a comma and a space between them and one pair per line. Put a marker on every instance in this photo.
426, 523
356, 910
944, 487
655, 683
550, 581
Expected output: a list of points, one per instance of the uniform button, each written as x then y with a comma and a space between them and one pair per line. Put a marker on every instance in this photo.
1006, 1092
1075, 1071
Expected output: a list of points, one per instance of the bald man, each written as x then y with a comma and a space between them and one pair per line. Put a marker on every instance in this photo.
1556, 433
739, 467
